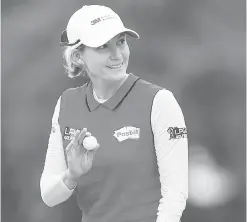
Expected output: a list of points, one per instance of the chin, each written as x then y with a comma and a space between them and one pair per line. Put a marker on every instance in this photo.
116, 73
119, 75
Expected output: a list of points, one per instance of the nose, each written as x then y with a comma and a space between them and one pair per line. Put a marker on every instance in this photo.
115, 52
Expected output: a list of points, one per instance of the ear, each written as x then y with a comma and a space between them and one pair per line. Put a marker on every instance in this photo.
76, 55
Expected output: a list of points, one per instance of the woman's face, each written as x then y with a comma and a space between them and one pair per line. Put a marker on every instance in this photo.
109, 61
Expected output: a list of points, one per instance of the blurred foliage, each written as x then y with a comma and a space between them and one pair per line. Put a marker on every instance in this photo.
194, 48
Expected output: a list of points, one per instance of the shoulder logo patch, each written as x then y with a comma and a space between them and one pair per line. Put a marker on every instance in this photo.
127, 132
177, 133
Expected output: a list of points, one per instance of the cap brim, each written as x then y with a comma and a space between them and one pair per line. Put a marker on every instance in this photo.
100, 40
132, 33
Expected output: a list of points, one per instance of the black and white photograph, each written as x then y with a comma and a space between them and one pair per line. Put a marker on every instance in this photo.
123, 111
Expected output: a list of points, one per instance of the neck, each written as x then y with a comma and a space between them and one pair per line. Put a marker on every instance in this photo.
105, 89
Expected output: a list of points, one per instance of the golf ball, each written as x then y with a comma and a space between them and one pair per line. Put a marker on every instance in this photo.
90, 143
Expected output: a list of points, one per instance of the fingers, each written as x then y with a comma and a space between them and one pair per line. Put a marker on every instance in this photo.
77, 140
88, 134
82, 135
91, 153
73, 142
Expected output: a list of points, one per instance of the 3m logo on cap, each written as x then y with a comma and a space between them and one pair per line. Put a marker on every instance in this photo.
102, 18
127, 132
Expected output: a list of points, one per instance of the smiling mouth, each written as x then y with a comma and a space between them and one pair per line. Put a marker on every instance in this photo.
115, 67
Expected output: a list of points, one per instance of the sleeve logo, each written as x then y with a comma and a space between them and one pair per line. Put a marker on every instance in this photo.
127, 132
177, 133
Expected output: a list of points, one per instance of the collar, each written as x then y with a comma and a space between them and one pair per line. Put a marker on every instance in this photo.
114, 101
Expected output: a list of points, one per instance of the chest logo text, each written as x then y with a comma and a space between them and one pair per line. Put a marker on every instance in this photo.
69, 133
127, 132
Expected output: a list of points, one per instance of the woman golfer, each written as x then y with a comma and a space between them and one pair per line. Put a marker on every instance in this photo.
118, 141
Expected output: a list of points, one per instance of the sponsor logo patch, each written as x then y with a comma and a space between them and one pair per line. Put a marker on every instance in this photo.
177, 132
69, 133
102, 18
127, 132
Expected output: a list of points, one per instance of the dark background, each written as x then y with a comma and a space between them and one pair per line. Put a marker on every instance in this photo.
195, 48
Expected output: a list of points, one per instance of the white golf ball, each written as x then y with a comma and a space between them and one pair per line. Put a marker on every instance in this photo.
90, 142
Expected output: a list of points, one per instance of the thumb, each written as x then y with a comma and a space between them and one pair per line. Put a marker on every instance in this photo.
91, 153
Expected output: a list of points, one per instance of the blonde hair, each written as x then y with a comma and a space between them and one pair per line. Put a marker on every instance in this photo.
73, 66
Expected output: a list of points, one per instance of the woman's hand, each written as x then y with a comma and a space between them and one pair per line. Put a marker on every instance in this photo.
79, 159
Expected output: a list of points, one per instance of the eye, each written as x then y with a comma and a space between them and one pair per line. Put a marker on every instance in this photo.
122, 41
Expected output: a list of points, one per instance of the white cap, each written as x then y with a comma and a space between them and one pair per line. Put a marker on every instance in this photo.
93, 26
